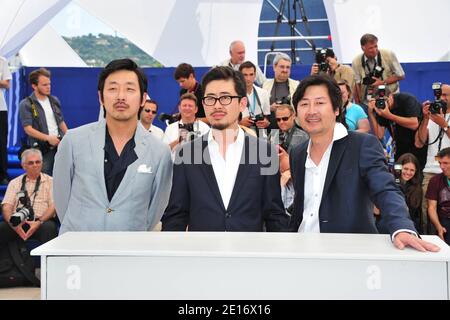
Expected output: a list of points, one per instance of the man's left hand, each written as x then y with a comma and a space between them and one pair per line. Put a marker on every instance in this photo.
34, 225
262, 124
405, 239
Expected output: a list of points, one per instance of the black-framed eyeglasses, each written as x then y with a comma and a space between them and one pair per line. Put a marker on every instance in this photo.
283, 118
150, 110
223, 100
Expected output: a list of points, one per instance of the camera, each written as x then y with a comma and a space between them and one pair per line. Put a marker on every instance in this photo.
321, 60
256, 118
25, 212
377, 72
189, 129
283, 141
398, 173
380, 101
284, 100
170, 118
437, 105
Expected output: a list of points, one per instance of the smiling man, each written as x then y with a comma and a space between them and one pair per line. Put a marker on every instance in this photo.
226, 180
337, 174
113, 175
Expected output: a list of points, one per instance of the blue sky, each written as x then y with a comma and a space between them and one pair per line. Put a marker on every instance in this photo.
75, 21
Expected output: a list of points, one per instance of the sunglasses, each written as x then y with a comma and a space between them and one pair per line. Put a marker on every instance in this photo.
282, 118
150, 110
30, 163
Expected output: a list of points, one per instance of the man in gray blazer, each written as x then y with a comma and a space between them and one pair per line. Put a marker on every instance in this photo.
112, 175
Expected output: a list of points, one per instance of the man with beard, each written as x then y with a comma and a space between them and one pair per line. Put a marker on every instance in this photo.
113, 175
225, 180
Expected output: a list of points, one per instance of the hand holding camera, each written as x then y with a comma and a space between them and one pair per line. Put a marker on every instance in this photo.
438, 105
373, 78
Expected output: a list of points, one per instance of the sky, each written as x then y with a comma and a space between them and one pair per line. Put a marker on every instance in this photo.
75, 21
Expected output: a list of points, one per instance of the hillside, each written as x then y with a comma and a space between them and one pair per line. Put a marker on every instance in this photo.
97, 51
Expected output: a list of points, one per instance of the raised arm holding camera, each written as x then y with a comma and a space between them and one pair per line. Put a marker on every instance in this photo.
326, 62
28, 208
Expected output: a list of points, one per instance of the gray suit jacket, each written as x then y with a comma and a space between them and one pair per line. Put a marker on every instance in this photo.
79, 183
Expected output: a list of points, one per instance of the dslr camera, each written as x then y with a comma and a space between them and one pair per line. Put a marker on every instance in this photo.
284, 100
170, 118
257, 117
283, 141
377, 72
321, 60
398, 173
437, 105
189, 129
380, 101
25, 212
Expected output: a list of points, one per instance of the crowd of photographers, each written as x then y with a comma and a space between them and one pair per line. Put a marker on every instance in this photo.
415, 136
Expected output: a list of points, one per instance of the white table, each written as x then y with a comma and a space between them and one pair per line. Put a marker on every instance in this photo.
227, 265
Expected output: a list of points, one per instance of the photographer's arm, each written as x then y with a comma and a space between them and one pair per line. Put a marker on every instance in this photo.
63, 127
411, 123
377, 129
173, 144
7, 211
30, 131
356, 93
432, 213
4, 84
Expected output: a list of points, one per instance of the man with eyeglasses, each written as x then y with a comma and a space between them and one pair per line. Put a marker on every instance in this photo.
290, 135
226, 180
39, 190
147, 115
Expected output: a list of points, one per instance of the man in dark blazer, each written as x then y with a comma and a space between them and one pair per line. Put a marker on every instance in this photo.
225, 180
345, 173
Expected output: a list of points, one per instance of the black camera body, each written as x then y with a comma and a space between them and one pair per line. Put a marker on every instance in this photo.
398, 173
25, 212
283, 141
284, 100
321, 60
257, 117
380, 101
437, 105
191, 133
170, 118
377, 72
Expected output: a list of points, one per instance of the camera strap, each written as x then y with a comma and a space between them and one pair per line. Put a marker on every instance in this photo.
36, 187
378, 62
256, 100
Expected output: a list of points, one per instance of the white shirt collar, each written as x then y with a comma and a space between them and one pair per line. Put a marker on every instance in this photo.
339, 132
239, 139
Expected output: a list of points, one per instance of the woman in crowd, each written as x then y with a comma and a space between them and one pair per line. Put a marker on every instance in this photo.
355, 117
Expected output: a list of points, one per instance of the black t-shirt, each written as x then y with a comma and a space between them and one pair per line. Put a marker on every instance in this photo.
199, 94
405, 105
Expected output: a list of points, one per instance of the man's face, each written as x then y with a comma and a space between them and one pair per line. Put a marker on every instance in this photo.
249, 75
237, 53
444, 163
222, 117
148, 113
121, 96
282, 70
285, 119
32, 165
43, 87
315, 111
370, 49
187, 109
186, 83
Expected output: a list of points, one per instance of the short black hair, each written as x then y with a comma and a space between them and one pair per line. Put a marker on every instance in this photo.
184, 70
247, 65
317, 80
122, 64
150, 100
444, 153
226, 73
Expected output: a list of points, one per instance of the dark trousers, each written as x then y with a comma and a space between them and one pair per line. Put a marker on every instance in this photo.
49, 161
3, 144
46, 232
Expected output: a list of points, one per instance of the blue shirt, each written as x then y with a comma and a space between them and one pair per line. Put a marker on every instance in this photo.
353, 115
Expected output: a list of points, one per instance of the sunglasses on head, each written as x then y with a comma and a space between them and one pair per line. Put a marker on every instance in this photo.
150, 110
283, 118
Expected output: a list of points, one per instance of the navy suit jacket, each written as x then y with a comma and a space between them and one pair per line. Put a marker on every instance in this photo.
357, 178
195, 200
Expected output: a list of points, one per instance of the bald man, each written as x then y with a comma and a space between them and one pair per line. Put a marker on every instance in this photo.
436, 134
237, 57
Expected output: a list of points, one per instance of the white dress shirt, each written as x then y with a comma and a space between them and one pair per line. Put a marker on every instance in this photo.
157, 132
314, 182
226, 169
49, 117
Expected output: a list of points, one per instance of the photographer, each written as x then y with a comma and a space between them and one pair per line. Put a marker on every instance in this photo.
42, 119
435, 135
189, 126
354, 116
281, 88
258, 105
37, 203
400, 114
375, 67
326, 62
289, 136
